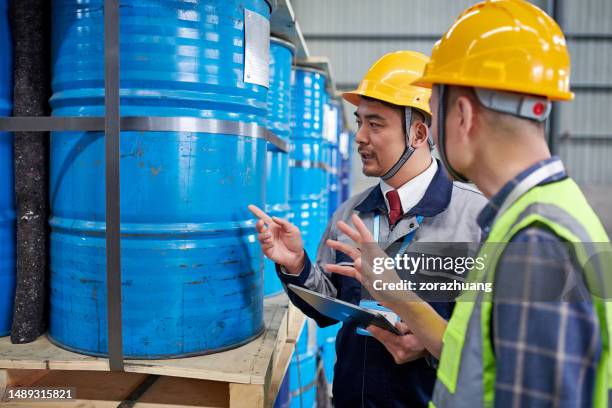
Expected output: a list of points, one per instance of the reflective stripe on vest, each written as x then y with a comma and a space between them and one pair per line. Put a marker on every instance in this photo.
466, 373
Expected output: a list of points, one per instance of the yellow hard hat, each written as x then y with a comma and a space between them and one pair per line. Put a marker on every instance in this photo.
507, 45
390, 79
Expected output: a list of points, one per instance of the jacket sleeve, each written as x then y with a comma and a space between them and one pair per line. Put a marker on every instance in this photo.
314, 277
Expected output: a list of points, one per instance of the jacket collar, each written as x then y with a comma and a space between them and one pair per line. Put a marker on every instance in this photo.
436, 199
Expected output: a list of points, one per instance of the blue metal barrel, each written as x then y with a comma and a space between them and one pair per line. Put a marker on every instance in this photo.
303, 374
7, 205
303, 380
191, 263
324, 200
307, 176
333, 161
326, 339
325, 158
308, 337
279, 123
283, 398
347, 139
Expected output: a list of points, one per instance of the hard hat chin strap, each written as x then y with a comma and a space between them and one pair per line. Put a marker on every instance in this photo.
430, 140
442, 135
408, 151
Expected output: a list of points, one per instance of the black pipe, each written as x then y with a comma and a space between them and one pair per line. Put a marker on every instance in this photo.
31, 34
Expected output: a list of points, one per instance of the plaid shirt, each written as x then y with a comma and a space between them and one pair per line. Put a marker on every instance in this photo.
546, 352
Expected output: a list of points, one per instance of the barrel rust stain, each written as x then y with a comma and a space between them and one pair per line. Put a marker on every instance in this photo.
139, 152
198, 282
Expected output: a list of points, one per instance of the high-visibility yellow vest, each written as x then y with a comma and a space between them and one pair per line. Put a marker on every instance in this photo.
466, 373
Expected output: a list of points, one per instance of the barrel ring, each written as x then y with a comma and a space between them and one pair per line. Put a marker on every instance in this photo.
307, 164
282, 41
142, 123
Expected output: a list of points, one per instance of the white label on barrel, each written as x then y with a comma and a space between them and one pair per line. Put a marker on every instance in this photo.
256, 49
330, 124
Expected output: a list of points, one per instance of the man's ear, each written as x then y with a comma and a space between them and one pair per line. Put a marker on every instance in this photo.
466, 110
421, 133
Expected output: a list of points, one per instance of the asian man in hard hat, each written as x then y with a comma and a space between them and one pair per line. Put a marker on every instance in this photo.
414, 201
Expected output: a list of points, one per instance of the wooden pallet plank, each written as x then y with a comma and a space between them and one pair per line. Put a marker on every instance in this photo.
93, 388
246, 395
239, 365
294, 326
265, 355
171, 391
247, 376
63, 404
42, 354
19, 378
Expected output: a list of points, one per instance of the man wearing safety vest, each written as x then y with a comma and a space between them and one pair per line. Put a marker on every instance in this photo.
414, 201
494, 75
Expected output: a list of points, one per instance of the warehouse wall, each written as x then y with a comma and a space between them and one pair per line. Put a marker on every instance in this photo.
354, 33
584, 131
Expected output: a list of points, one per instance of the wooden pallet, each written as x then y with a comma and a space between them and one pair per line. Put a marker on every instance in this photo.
248, 376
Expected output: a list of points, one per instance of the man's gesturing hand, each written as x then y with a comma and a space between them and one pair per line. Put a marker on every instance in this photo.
280, 241
363, 254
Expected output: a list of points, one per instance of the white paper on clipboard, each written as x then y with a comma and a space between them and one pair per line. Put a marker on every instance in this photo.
256, 49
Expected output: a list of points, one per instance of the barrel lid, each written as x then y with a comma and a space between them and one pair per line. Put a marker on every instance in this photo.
311, 69
284, 42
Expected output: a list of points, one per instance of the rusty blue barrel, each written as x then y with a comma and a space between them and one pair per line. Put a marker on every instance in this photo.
191, 264
7, 205
307, 173
279, 123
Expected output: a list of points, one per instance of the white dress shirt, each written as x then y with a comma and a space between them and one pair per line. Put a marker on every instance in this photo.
412, 191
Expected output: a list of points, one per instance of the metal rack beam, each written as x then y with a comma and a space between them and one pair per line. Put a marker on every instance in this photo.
112, 129
283, 24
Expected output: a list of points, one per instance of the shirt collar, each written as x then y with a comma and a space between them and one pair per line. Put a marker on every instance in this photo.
435, 200
489, 212
413, 190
